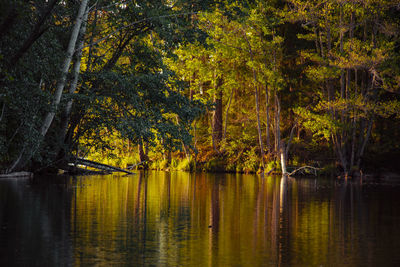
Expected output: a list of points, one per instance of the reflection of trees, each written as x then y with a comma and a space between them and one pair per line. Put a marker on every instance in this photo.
172, 219
214, 222
34, 228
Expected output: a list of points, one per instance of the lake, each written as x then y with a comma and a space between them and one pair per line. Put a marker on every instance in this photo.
182, 219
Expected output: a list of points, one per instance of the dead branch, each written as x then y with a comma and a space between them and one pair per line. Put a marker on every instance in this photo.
133, 166
314, 169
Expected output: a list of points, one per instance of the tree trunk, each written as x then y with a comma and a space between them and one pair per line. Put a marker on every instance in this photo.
76, 70
25, 154
364, 143
65, 67
142, 152
282, 152
342, 79
260, 141
339, 153
256, 94
290, 141
227, 112
76, 118
354, 120
217, 115
354, 123
277, 124
267, 128
342, 137
90, 53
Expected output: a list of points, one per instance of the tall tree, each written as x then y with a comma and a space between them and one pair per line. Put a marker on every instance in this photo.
351, 53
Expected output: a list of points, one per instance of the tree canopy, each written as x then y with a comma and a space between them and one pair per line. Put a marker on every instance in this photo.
241, 84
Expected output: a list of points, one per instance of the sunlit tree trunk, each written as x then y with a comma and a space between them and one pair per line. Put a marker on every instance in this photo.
257, 100
277, 124
217, 114
227, 113
267, 126
282, 152
142, 152
290, 141
257, 96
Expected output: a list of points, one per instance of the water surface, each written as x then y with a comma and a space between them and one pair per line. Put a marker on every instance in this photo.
181, 219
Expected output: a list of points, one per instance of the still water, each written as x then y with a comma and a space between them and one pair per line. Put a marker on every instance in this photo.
181, 219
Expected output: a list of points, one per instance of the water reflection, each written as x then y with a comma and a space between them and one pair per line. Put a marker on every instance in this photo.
34, 221
174, 219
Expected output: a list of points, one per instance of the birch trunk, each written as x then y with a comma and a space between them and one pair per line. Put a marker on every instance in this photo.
74, 83
354, 120
277, 124
26, 153
65, 67
341, 139
290, 141
283, 157
268, 119
217, 117
256, 94
259, 124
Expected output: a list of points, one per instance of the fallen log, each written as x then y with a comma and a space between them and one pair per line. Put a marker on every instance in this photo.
100, 166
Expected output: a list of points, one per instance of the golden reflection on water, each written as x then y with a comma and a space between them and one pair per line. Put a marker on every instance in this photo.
174, 219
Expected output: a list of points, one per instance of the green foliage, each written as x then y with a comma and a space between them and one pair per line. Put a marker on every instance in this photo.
124, 85
251, 161
151, 69
186, 165
272, 166
164, 164
321, 125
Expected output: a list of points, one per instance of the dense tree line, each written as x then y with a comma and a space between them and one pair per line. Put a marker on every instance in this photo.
296, 82
327, 70
73, 72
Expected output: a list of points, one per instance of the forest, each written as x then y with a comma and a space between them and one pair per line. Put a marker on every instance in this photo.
233, 86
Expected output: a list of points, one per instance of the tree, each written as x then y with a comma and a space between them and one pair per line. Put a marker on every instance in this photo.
124, 85
351, 53
27, 152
